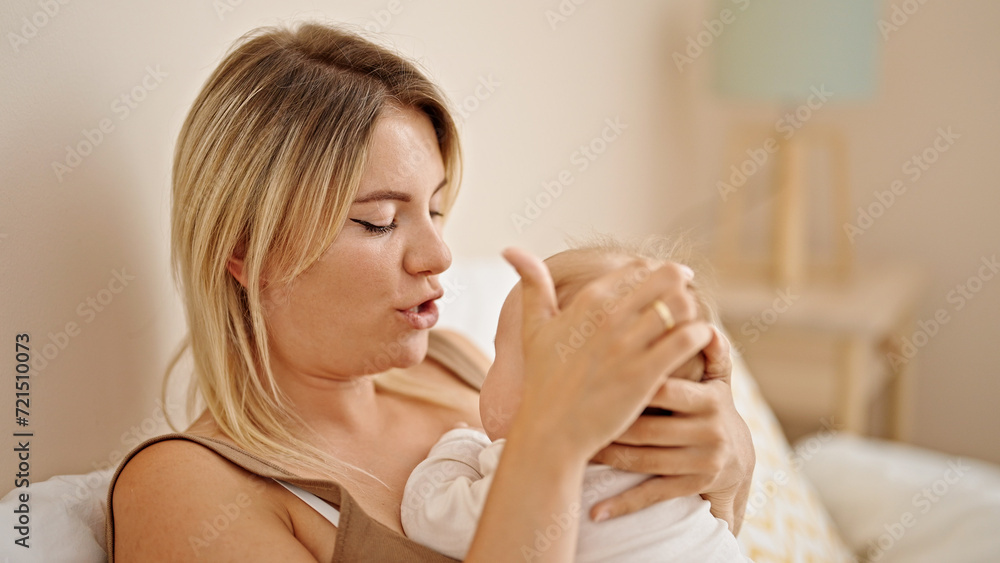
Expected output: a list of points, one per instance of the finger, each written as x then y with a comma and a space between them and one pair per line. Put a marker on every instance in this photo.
681, 303
676, 347
718, 358
668, 283
634, 329
649, 327
538, 292
662, 431
680, 460
688, 397
610, 288
647, 493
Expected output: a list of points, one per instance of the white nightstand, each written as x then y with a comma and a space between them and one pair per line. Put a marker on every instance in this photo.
821, 352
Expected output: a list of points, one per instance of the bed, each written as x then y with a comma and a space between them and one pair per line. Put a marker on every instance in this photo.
832, 497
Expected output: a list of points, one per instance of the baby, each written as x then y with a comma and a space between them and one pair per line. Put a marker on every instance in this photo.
445, 494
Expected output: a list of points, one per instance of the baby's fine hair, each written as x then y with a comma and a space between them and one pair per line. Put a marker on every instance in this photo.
570, 276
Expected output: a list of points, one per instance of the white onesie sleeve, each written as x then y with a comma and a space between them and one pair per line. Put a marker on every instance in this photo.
444, 497
445, 494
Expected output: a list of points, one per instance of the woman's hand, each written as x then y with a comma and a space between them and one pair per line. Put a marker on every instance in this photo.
591, 368
704, 448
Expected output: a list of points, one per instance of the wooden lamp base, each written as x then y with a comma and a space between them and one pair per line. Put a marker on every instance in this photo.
788, 263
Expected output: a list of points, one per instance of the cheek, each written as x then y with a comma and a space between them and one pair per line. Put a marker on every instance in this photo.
503, 388
352, 280
362, 270
274, 301
490, 407
318, 308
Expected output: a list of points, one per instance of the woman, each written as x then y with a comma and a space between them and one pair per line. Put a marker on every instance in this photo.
310, 184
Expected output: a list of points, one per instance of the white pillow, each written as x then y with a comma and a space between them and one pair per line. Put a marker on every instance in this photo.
67, 515
895, 502
474, 292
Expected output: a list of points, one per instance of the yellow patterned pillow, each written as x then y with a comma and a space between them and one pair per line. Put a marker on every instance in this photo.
785, 521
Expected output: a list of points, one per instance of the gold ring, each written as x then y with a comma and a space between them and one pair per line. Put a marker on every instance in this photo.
664, 312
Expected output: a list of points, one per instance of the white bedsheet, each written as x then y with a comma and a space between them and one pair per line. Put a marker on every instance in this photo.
894, 502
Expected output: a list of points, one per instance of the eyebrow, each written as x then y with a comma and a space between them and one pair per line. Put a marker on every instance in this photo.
382, 195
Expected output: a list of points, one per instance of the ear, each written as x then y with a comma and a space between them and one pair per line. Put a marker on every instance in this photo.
235, 267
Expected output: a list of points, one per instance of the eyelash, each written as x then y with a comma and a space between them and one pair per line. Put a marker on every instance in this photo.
384, 229
376, 229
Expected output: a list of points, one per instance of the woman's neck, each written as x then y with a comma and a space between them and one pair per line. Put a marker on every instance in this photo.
341, 411
336, 408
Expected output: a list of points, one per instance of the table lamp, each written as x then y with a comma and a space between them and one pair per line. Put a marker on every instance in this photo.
797, 55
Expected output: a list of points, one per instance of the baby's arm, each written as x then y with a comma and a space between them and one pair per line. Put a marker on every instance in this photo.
445, 494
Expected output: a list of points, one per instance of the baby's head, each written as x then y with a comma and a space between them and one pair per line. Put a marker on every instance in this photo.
571, 270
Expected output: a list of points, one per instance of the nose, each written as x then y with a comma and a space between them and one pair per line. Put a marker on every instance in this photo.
428, 254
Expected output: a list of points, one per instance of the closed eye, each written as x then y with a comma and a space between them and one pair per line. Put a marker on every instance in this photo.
376, 229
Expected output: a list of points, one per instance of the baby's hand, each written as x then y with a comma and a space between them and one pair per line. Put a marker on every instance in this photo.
693, 369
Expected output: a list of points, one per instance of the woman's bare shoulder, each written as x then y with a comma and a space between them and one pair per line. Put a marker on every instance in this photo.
181, 463
177, 500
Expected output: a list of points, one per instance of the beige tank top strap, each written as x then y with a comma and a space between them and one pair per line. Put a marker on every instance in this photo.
326, 490
360, 539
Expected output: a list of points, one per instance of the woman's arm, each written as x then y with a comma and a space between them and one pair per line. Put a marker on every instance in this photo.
576, 402
537, 485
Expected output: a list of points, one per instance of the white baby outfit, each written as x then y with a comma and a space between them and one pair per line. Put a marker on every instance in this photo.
445, 494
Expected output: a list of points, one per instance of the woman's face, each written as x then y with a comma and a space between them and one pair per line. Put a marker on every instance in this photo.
368, 302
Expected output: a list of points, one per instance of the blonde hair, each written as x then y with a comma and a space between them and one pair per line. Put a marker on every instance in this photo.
266, 167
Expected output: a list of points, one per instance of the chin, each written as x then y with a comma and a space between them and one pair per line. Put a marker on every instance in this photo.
405, 351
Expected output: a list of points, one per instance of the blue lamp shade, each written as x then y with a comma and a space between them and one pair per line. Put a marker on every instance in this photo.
782, 49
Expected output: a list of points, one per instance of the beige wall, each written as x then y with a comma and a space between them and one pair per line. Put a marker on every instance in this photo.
67, 243
940, 69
